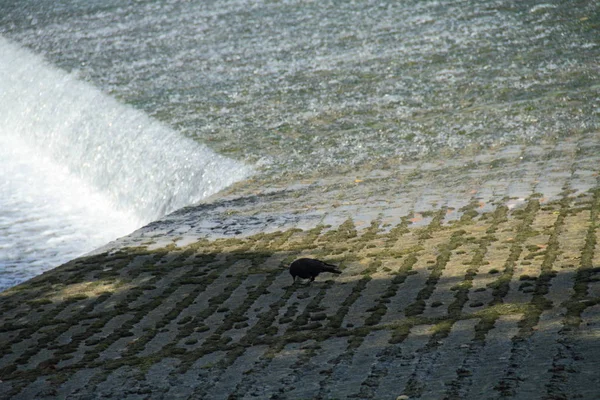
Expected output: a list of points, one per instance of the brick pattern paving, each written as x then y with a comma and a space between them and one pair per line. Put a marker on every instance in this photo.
470, 278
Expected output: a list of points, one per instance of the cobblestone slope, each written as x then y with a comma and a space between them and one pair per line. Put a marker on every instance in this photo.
466, 279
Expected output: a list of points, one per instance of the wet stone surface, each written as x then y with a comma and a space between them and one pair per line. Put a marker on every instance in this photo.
461, 279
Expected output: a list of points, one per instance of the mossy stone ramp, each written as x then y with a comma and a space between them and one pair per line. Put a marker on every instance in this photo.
461, 280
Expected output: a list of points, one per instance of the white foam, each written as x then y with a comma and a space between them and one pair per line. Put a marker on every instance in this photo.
141, 164
47, 215
79, 169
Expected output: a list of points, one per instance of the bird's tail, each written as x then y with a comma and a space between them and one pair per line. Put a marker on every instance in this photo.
330, 268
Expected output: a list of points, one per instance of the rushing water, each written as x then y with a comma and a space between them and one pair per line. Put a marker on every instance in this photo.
80, 169
297, 86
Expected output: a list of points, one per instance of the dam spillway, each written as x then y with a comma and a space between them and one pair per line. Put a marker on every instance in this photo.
456, 277
443, 153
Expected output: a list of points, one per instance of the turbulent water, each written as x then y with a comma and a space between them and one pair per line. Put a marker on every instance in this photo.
299, 87
80, 169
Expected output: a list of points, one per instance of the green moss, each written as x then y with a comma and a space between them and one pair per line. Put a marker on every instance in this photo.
39, 302
401, 332
442, 329
382, 256
579, 301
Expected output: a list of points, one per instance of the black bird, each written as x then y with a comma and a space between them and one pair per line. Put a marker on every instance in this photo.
309, 268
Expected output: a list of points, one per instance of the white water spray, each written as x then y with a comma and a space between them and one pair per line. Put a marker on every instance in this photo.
79, 169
